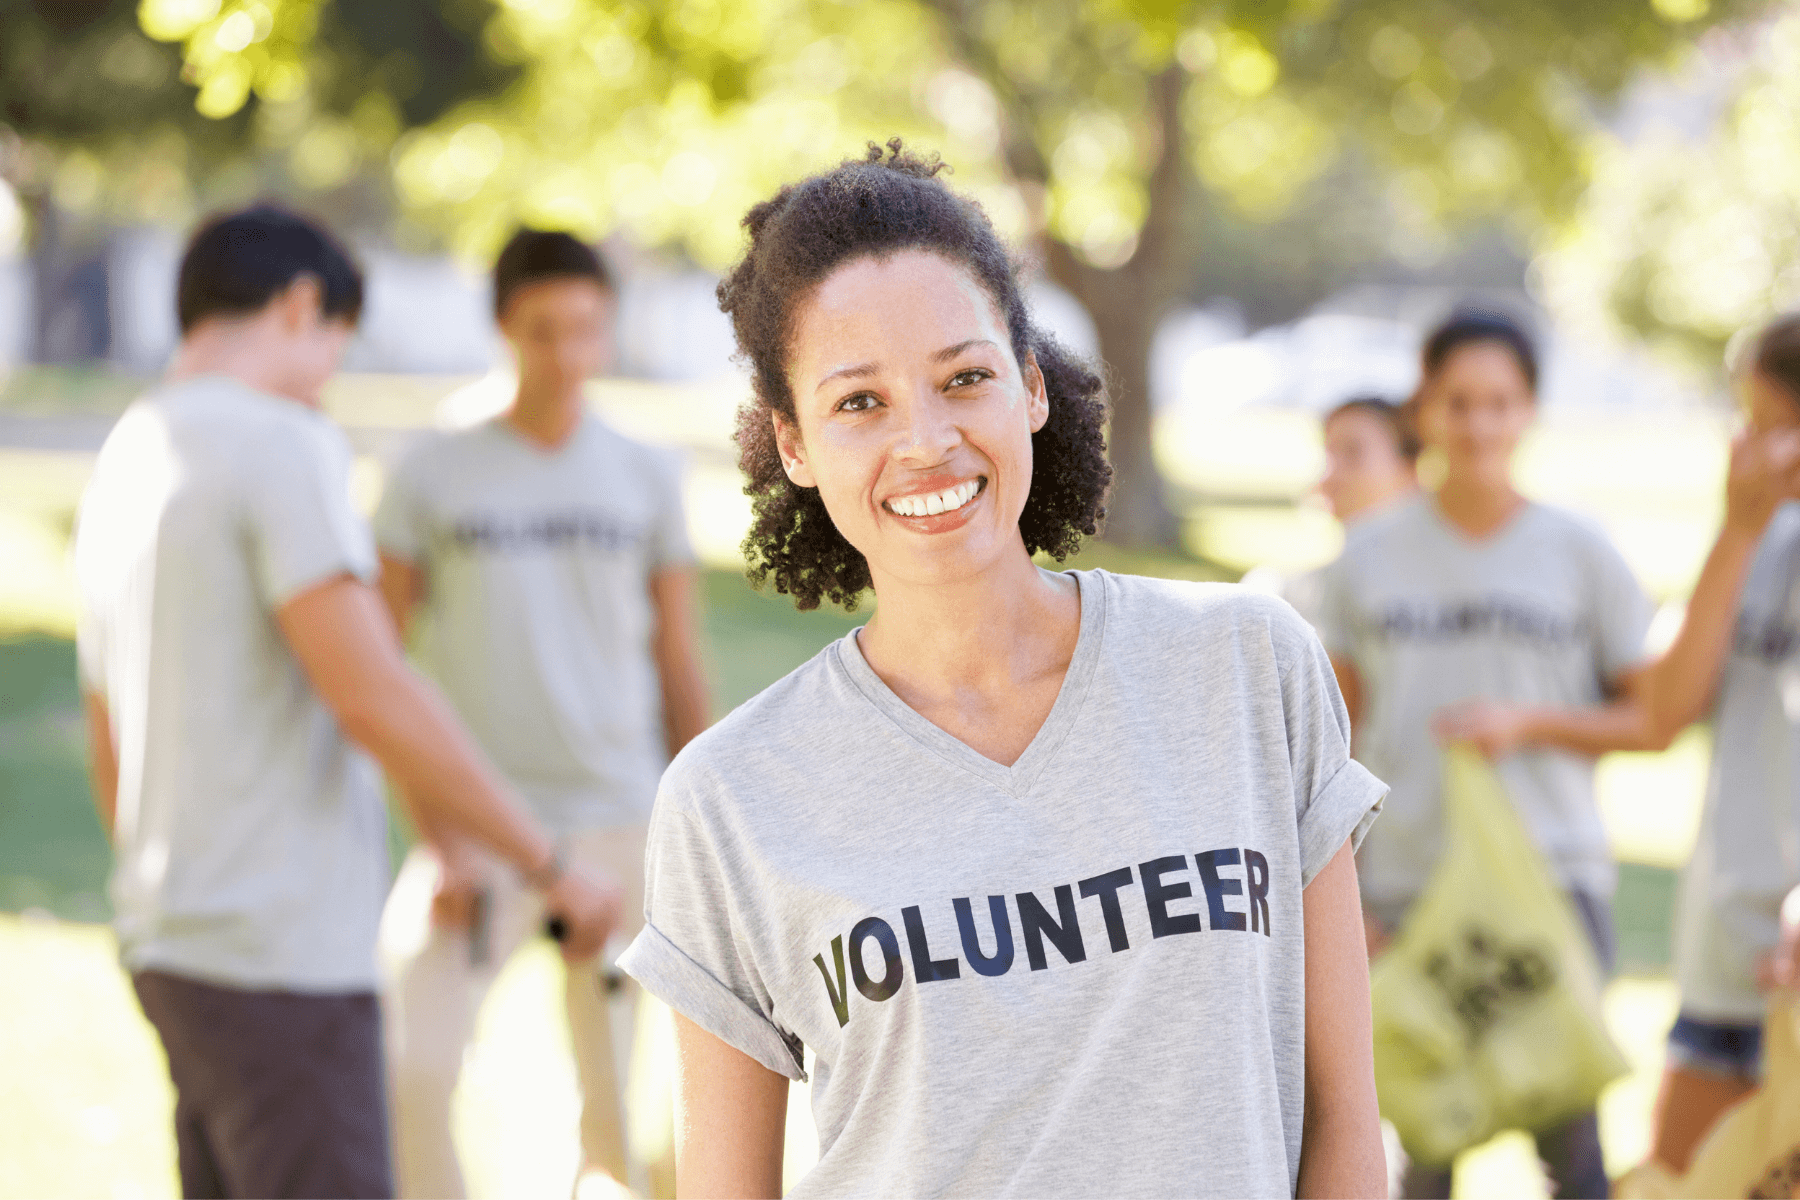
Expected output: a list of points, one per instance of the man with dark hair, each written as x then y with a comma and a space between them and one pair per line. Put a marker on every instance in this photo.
232, 649
549, 560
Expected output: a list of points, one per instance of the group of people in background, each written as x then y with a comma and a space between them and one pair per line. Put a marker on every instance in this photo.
1471, 613
959, 774
241, 637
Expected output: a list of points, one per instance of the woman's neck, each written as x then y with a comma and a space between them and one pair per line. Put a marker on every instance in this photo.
545, 416
988, 634
1479, 504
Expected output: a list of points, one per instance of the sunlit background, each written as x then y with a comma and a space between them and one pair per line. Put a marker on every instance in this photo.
1249, 211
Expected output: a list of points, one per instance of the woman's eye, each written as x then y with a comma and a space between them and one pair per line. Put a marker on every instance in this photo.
861, 402
970, 378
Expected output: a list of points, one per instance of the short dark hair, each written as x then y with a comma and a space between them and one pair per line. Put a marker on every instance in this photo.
237, 262
534, 255
1398, 418
1467, 326
1778, 353
881, 204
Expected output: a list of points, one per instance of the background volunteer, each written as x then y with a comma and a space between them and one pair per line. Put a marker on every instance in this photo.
1451, 605
1738, 657
231, 650
548, 558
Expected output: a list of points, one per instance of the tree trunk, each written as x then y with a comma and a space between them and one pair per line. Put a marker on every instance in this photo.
1138, 512
1127, 303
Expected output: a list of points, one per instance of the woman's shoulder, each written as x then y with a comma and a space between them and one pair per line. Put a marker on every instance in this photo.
1177, 612
768, 734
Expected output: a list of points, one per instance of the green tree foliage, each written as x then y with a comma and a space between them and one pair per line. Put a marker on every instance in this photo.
1687, 237
1096, 130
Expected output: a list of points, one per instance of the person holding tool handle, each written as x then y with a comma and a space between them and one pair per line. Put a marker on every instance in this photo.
236, 663
542, 560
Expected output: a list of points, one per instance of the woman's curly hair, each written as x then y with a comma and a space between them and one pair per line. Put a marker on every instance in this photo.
885, 202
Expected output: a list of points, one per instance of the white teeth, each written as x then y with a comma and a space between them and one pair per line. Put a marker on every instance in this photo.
933, 503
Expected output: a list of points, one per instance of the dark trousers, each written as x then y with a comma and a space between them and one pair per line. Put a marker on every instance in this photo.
1571, 1151
278, 1094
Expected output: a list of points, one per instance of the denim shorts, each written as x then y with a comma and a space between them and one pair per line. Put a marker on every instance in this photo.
1717, 1047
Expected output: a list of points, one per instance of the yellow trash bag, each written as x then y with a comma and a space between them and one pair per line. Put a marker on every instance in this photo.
1754, 1149
1487, 1004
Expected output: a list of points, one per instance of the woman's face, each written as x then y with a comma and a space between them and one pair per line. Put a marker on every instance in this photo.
1476, 409
1772, 406
912, 417
1364, 468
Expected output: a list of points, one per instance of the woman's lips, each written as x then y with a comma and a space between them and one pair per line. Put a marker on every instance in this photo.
954, 506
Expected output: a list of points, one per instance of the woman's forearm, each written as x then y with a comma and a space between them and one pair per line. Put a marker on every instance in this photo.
1680, 685
730, 1119
1341, 1153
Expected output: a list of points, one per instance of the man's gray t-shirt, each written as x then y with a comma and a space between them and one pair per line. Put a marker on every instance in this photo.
1543, 612
537, 614
1082, 974
251, 838
1748, 853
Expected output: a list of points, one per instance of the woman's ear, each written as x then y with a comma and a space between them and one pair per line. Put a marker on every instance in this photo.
1037, 397
792, 451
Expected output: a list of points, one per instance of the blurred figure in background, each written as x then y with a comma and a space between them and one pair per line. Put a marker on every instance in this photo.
231, 649
1737, 657
1371, 457
1371, 461
548, 556
1447, 603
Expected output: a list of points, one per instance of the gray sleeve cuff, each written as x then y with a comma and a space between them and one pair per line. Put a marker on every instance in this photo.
1344, 808
691, 990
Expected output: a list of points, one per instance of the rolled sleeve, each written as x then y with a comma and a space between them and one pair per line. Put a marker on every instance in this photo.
1335, 797
1344, 809
303, 527
694, 992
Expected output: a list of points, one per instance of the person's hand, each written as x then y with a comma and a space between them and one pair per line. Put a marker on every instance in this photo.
1765, 471
1779, 969
1494, 729
461, 877
588, 908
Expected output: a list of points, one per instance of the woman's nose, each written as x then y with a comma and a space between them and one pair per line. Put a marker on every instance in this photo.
930, 431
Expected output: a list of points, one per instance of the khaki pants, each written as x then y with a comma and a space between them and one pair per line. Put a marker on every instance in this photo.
434, 981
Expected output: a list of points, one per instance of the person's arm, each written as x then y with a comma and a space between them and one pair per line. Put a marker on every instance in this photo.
103, 759
1498, 729
730, 1119
402, 586
1341, 1153
675, 646
346, 645
1682, 683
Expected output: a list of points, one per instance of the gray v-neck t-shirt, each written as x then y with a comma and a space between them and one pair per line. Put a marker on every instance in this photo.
1748, 854
1543, 612
1082, 974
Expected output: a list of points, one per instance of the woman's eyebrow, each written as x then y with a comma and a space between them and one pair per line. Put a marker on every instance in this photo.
859, 371
950, 352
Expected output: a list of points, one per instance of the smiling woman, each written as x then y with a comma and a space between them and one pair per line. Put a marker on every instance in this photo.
799, 238
1112, 817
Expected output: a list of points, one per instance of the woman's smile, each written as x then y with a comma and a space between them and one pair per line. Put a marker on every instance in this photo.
937, 507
